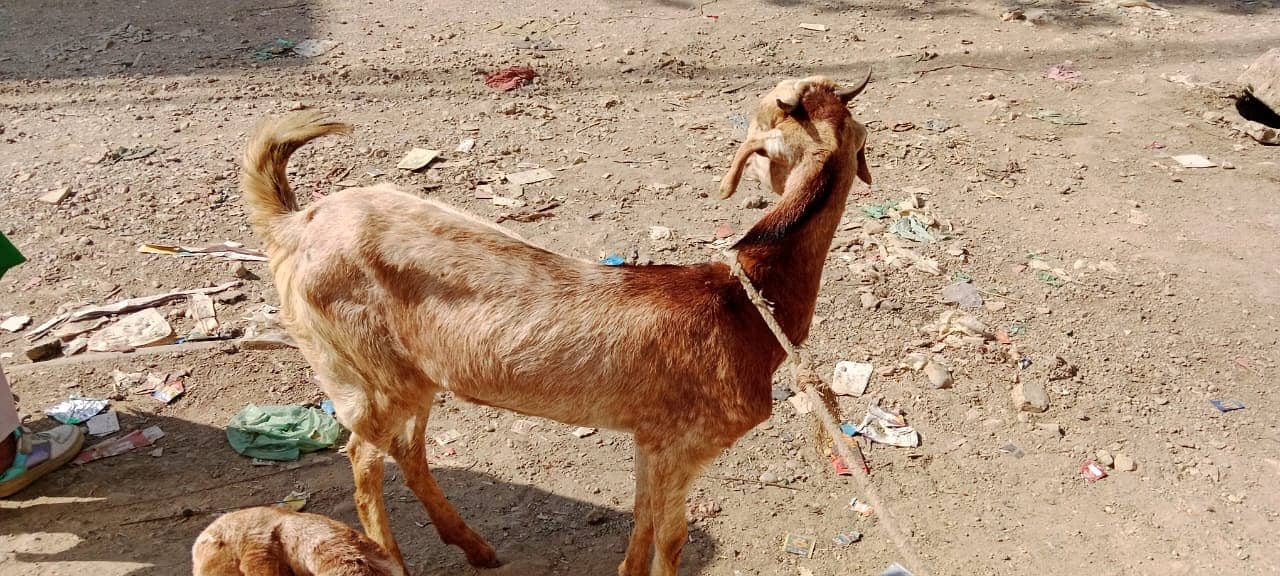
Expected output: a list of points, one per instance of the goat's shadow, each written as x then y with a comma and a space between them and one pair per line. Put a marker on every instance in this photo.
124, 515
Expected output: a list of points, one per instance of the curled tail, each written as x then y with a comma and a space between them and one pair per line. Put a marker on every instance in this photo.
263, 183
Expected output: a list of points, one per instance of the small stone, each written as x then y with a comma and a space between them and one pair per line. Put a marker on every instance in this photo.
596, 517
15, 323
1228, 166
1043, 310
754, 202
1104, 458
994, 305
243, 272
56, 196
44, 350
769, 477
1052, 428
939, 375
1160, 400
869, 300
297, 105
1030, 397
583, 432
1124, 463
230, 297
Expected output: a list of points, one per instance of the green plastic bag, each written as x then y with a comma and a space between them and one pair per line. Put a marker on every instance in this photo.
281, 432
9, 255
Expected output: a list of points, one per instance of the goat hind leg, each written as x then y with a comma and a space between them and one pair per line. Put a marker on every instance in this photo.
367, 468
411, 455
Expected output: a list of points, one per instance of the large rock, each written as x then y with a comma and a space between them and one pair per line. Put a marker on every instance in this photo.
1262, 79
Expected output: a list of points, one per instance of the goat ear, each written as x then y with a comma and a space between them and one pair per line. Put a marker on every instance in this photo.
847, 94
864, 172
729, 184
788, 104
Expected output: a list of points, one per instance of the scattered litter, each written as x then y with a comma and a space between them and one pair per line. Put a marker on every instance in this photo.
523, 427
511, 78
228, 250
76, 410
312, 47
1012, 450
327, 407
466, 145
613, 260
201, 310
964, 294
295, 501
1063, 72
277, 48
847, 538
879, 211
1092, 471
583, 432
1194, 161
886, 427
955, 322
861, 508
1024, 362
1054, 117
130, 305
126, 154
840, 468
815, 27
417, 159
15, 323
103, 424
530, 176
799, 545
938, 125
140, 329
158, 452
851, 378
896, 569
448, 437
281, 433
1049, 278
1227, 405
912, 229
117, 446
173, 387
849, 429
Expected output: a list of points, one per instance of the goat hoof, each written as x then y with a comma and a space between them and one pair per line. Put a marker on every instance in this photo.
484, 558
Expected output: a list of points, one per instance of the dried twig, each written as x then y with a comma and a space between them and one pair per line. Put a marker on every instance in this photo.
974, 66
750, 481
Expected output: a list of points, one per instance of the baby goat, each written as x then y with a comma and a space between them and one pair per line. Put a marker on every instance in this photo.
393, 298
275, 542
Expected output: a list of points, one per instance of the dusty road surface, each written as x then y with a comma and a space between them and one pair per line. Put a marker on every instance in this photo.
1032, 145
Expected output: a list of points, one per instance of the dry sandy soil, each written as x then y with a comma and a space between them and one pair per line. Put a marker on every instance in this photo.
1167, 295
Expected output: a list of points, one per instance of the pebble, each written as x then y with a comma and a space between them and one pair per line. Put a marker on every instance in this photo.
994, 306
769, 477
1160, 400
754, 202
56, 196
1052, 428
1104, 458
869, 300
939, 375
1030, 397
1124, 463
1043, 310
242, 272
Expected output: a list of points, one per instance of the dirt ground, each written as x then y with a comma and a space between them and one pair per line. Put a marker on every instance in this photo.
1156, 284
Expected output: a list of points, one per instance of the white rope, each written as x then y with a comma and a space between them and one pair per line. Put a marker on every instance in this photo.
802, 377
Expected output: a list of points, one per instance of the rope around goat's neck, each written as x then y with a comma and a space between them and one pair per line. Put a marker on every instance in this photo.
802, 379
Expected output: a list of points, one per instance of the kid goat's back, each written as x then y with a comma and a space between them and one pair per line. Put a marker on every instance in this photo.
393, 298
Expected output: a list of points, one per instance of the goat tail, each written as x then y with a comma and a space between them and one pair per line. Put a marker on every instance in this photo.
263, 183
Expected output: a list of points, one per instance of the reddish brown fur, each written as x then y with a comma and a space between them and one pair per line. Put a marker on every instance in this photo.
276, 542
393, 298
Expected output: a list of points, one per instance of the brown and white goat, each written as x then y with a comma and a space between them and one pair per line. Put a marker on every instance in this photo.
269, 541
393, 298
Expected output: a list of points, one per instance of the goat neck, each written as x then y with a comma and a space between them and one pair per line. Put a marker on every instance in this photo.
783, 254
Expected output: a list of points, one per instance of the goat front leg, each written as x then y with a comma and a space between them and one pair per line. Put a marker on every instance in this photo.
639, 550
673, 470
367, 467
411, 455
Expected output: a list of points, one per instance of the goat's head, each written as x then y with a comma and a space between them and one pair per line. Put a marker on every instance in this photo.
799, 117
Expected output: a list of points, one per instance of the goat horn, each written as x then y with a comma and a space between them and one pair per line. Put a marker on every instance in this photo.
847, 94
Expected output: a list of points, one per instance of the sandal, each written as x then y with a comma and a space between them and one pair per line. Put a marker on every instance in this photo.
40, 453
